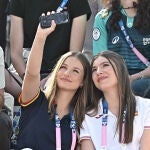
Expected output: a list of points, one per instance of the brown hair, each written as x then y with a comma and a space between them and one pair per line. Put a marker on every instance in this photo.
126, 97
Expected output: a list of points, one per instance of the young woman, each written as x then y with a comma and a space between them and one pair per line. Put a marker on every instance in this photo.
107, 34
116, 119
51, 119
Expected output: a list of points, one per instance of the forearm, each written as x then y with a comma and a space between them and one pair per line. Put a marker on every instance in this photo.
36, 55
16, 44
32, 75
31, 82
78, 33
142, 74
19, 64
1, 98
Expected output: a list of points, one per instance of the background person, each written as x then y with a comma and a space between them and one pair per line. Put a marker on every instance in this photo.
108, 35
3, 21
5, 122
24, 22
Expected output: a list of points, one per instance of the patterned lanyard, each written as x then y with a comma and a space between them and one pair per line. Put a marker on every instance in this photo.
61, 6
58, 131
139, 55
104, 127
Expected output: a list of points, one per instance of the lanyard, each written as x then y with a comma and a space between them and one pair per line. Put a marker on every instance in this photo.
61, 6
104, 127
58, 131
139, 55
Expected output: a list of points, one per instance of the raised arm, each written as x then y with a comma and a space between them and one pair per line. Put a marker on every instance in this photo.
31, 82
78, 33
16, 44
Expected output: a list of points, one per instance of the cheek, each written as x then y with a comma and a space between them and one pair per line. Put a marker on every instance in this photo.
93, 77
79, 79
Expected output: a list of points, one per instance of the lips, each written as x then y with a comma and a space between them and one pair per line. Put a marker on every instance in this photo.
65, 80
99, 79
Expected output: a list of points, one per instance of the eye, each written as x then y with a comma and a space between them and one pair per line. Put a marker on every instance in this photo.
63, 67
93, 70
106, 65
76, 71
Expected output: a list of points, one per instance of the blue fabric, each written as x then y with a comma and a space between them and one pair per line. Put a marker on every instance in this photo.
37, 130
141, 87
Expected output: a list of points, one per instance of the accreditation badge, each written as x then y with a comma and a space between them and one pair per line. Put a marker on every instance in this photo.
96, 34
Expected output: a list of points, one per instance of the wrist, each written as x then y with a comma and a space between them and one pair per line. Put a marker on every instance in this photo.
137, 76
141, 75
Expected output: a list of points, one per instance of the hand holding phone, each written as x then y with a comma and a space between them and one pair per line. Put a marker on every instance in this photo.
59, 18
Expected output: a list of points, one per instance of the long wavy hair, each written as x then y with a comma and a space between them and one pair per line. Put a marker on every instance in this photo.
142, 18
82, 95
126, 96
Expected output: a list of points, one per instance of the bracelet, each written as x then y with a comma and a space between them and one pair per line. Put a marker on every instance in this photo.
141, 75
22, 76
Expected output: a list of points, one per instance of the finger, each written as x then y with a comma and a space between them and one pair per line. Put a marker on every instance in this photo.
53, 12
53, 25
48, 13
43, 14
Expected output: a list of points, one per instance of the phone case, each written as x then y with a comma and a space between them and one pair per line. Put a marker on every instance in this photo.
59, 18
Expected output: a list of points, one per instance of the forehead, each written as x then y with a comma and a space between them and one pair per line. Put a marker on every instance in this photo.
73, 62
99, 60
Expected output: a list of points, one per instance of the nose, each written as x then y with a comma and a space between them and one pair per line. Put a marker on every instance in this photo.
67, 72
99, 71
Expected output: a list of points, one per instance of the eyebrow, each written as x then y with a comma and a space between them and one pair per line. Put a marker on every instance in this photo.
74, 67
102, 63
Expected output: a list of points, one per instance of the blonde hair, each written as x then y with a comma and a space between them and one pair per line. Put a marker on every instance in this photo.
50, 90
82, 95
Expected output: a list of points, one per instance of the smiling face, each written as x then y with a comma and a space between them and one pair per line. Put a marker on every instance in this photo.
103, 74
70, 75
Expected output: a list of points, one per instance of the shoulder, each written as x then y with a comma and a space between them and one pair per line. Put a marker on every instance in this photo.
103, 14
142, 105
101, 18
142, 101
79, 8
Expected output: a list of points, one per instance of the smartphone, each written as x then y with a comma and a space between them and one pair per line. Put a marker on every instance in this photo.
59, 18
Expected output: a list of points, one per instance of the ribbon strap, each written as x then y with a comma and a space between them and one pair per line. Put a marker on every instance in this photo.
73, 127
61, 6
58, 131
104, 124
138, 54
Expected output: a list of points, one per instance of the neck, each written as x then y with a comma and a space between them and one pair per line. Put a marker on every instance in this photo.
131, 12
63, 100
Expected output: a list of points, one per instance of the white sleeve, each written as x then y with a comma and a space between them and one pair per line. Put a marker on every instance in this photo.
2, 70
84, 131
147, 114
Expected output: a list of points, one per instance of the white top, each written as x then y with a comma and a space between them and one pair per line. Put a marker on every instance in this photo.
2, 72
92, 127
